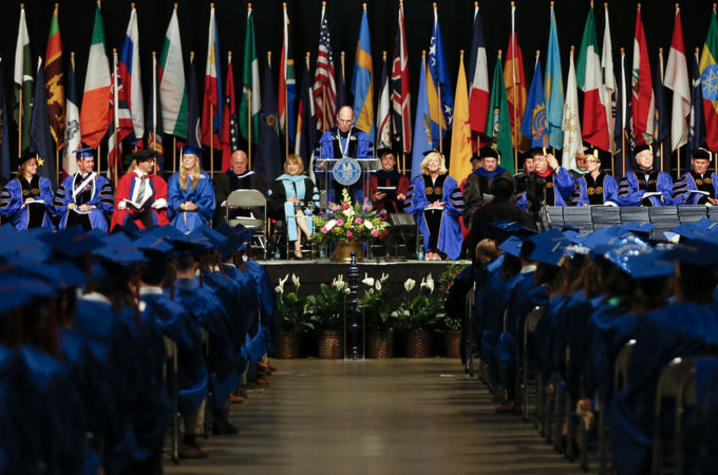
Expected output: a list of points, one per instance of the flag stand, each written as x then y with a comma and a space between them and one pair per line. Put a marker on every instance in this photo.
678, 155
514, 129
19, 124
154, 107
174, 154
115, 120
249, 115
211, 140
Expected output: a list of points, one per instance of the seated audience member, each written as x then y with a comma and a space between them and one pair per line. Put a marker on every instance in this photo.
599, 187
237, 177
697, 187
548, 184
26, 201
646, 186
581, 167
85, 198
293, 198
436, 205
387, 188
191, 196
477, 190
141, 195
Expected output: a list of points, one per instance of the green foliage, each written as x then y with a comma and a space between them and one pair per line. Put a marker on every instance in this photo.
327, 308
376, 303
420, 312
291, 308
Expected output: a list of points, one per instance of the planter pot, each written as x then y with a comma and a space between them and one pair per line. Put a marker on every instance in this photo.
418, 344
330, 344
343, 251
288, 345
452, 343
380, 345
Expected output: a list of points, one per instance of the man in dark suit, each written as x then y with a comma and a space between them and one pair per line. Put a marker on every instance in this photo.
238, 177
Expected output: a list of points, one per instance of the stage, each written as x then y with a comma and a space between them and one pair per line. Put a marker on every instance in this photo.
312, 273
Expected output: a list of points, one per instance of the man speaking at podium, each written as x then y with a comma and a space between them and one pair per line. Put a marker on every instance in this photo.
344, 141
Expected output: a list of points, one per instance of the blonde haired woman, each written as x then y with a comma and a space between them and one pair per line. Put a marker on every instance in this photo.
191, 196
27, 200
293, 198
437, 203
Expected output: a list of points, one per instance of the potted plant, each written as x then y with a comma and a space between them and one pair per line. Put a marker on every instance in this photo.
327, 314
416, 317
449, 325
290, 308
348, 225
377, 308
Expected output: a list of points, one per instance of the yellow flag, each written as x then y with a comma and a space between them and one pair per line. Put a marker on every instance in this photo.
460, 160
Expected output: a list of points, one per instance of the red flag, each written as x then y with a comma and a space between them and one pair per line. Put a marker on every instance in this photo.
644, 101
212, 103
399, 84
229, 119
515, 81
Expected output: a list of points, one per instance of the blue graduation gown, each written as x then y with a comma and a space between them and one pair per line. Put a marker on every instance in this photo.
98, 194
562, 187
631, 194
602, 190
450, 237
359, 147
687, 183
202, 196
14, 209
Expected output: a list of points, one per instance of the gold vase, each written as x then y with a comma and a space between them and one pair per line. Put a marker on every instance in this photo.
343, 251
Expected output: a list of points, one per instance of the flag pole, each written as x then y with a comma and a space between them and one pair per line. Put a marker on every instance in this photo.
325, 110
286, 93
514, 129
438, 98
657, 133
114, 119
154, 105
211, 127
174, 154
19, 112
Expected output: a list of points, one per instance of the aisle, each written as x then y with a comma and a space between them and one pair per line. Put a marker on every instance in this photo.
392, 416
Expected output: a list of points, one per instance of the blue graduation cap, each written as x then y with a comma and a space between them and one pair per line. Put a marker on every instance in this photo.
192, 150
81, 153
550, 247
696, 253
512, 246
216, 238
60, 274
638, 227
599, 237
72, 242
18, 291
119, 249
28, 246
153, 244
648, 266
620, 250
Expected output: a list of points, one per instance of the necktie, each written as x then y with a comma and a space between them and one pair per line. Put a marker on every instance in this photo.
142, 190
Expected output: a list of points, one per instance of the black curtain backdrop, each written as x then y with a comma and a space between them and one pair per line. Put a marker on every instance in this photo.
455, 16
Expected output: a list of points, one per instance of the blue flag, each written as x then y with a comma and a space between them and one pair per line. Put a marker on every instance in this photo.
363, 81
440, 72
40, 138
534, 122
268, 150
697, 134
194, 132
554, 88
422, 126
5, 139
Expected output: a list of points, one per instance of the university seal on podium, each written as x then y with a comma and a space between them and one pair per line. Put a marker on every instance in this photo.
347, 171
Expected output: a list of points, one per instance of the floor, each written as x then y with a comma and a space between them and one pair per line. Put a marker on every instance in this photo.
394, 416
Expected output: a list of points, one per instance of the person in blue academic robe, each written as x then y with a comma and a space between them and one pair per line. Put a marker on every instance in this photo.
698, 186
191, 200
27, 201
646, 186
85, 198
548, 184
595, 187
293, 198
437, 203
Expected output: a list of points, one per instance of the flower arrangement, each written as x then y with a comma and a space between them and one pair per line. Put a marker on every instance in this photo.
348, 221
420, 312
291, 307
375, 303
327, 308
446, 320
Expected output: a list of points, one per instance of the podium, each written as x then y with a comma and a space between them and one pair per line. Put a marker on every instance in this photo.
325, 166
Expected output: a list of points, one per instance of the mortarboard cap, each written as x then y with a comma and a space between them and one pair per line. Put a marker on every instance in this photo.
81, 153
701, 154
488, 152
18, 291
144, 154
512, 246
648, 266
550, 247
640, 148
383, 151
72, 242
25, 157
191, 150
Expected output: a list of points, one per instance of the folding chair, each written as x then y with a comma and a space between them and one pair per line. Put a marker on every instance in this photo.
170, 374
253, 200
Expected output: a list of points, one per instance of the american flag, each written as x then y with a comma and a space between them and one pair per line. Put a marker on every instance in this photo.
324, 85
400, 96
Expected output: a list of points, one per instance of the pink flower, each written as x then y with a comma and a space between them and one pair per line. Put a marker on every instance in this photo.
358, 221
335, 208
340, 222
324, 230
349, 234
345, 206
374, 233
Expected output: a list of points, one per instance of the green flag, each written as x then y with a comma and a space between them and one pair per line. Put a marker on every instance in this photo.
498, 126
23, 80
250, 88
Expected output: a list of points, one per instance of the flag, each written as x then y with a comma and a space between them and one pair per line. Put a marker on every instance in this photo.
287, 85
173, 93
437, 122
40, 138
306, 121
461, 150
212, 103
23, 81
130, 100
194, 134
54, 86
342, 99
383, 110
697, 132
400, 90
72, 124
661, 132
95, 115
230, 134
154, 119
498, 123
422, 126
250, 85
534, 124
572, 143
515, 83
112, 138
609, 78
479, 76
676, 79
4, 130
325, 89
619, 131
643, 102
363, 81
440, 73
553, 82
268, 151
596, 106
709, 84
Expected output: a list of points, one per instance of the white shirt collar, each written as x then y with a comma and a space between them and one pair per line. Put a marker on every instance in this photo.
140, 173
151, 290
528, 268
95, 297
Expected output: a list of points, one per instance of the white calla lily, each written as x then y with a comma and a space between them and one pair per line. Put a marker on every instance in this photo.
409, 284
384, 277
295, 280
367, 224
377, 285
